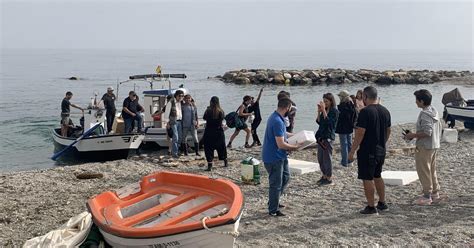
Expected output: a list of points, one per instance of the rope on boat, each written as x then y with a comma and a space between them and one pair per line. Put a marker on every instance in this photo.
234, 233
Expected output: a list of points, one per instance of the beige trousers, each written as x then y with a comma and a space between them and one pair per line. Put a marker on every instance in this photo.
425, 160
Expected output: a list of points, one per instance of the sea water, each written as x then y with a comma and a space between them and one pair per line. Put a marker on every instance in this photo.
33, 83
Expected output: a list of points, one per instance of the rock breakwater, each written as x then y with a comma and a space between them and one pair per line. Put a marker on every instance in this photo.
338, 76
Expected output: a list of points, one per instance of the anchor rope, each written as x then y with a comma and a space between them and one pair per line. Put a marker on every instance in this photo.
233, 233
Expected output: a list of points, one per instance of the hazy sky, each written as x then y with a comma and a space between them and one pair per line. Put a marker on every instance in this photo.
226, 24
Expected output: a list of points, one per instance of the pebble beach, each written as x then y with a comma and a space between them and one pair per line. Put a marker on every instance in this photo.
34, 202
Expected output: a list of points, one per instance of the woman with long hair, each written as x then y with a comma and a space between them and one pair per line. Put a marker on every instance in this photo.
326, 117
244, 113
214, 138
359, 102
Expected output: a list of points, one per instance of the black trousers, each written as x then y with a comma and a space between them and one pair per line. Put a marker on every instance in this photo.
209, 152
110, 115
254, 126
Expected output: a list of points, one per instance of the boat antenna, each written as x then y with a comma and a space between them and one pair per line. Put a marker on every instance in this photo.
118, 83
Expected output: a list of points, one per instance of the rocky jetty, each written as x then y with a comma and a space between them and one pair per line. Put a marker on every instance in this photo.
338, 76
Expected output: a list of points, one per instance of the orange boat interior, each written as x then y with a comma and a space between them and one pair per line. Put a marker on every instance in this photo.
166, 203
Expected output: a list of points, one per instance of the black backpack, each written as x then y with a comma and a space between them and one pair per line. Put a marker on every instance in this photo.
233, 120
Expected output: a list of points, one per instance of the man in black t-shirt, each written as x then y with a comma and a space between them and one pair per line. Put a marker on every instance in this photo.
371, 135
109, 103
66, 111
131, 111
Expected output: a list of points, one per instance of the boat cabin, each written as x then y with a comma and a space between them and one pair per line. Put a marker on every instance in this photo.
153, 102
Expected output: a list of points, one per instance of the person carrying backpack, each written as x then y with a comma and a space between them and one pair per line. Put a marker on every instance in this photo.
345, 125
243, 115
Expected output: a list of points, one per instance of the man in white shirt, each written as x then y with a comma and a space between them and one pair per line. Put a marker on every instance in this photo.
174, 116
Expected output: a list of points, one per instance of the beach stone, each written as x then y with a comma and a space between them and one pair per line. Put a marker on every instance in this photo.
388, 73
229, 75
435, 78
89, 175
384, 80
451, 74
307, 81
397, 80
241, 80
279, 79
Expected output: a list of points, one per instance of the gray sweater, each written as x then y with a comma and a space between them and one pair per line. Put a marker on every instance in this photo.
429, 123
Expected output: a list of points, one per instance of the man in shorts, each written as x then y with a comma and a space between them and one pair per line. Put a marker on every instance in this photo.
371, 134
66, 111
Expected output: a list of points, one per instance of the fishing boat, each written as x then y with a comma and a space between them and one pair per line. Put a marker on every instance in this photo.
91, 143
169, 209
458, 108
153, 102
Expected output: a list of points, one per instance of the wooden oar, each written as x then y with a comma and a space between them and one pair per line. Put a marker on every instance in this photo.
58, 154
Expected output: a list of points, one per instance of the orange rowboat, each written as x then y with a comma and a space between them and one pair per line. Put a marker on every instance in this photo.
168, 209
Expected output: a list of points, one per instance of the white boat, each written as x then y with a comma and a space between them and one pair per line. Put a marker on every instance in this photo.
153, 101
169, 209
457, 108
465, 114
98, 146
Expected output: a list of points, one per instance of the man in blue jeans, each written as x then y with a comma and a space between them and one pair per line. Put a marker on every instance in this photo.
275, 156
131, 112
174, 115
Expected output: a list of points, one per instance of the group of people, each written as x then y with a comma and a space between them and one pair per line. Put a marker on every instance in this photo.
372, 124
129, 112
249, 110
362, 114
214, 137
181, 116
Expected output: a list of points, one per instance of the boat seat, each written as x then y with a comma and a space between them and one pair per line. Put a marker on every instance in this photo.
113, 214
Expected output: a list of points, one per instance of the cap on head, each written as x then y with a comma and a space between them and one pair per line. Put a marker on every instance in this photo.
343, 94
110, 88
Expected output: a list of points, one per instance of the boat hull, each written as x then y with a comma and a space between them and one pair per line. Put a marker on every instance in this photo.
159, 136
465, 114
98, 148
166, 209
198, 238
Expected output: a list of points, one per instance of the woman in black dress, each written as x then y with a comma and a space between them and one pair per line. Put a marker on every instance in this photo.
214, 138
